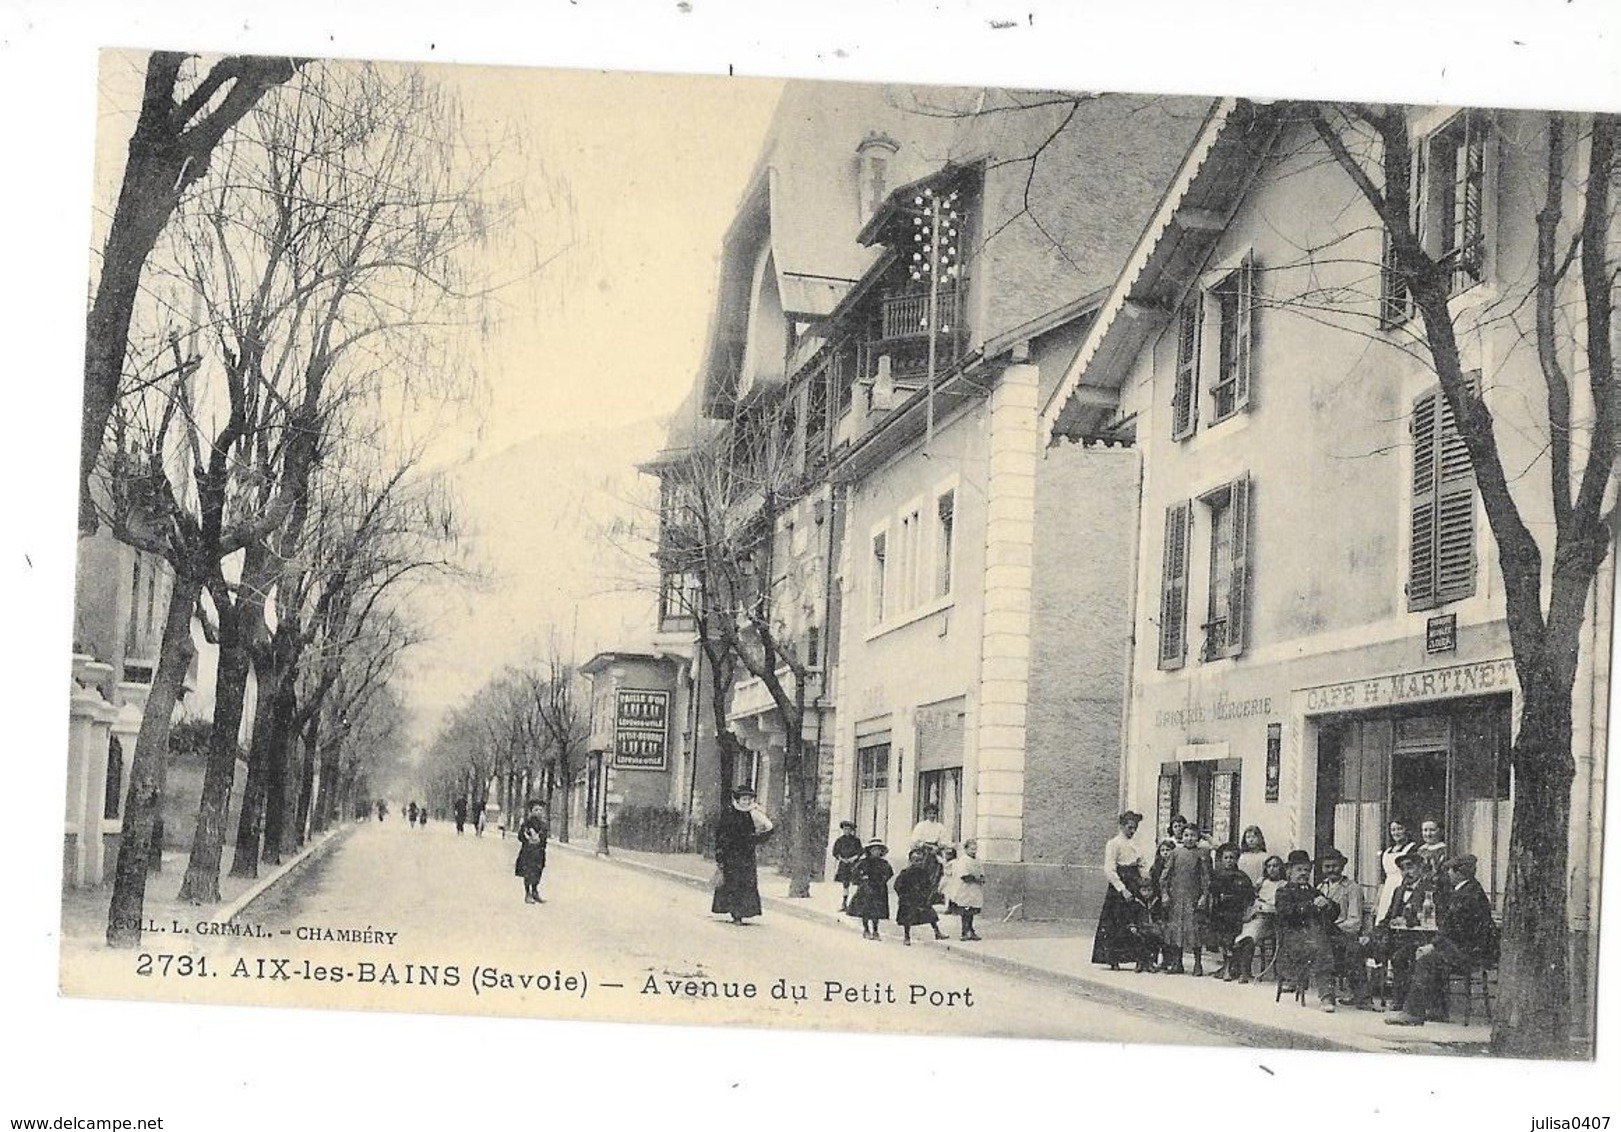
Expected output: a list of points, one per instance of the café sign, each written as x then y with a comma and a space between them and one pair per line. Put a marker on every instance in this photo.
641, 730
1486, 678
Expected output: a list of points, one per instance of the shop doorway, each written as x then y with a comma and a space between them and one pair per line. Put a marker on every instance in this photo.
872, 790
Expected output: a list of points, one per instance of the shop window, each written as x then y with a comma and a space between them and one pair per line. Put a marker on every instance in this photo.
1216, 793
943, 788
872, 790
1173, 606
1441, 549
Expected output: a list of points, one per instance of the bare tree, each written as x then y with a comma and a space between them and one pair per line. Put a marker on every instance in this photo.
564, 714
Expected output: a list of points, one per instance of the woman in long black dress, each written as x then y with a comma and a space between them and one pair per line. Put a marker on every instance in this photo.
1115, 942
737, 832
531, 861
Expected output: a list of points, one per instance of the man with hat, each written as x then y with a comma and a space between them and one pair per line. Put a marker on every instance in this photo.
1393, 941
1305, 954
1345, 930
1466, 939
738, 830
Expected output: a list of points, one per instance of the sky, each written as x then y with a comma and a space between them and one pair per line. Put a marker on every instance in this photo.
1489, 52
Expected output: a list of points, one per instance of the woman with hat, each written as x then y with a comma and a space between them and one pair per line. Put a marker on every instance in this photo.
737, 832
871, 875
1115, 942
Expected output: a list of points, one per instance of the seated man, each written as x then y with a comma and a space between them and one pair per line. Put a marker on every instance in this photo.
1392, 945
1466, 939
1345, 932
1231, 894
1305, 955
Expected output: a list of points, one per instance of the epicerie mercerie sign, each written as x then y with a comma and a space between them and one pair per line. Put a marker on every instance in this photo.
641, 730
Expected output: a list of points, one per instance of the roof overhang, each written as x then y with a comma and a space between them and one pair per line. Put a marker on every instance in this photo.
1171, 252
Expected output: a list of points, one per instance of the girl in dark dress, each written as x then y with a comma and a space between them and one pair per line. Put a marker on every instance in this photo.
846, 851
737, 832
871, 901
914, 892
531, 861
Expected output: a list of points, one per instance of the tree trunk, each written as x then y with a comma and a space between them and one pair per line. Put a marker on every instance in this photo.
245, 861
146, 771
305, 814
1533, 1004
804, 840
202, 881
276, 774
565, 770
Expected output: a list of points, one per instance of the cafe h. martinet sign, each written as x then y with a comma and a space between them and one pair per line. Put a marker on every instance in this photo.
1486, 678
641, 730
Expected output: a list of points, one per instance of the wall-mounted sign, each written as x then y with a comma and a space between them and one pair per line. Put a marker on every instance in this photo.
1441, 633
1274, 760
641, 730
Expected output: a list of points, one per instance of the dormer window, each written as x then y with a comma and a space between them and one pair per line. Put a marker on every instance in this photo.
873, 181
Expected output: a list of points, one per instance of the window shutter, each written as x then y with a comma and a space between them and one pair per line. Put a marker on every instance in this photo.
1392, 288
1246, 334
1454, 508
1173, 637
1469, 212
1185, 401
1421, 550
1238, 584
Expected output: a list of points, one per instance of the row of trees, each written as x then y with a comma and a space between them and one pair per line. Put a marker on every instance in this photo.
524, 734
301, 290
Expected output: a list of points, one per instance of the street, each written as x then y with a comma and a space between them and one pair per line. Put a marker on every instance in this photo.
421, 919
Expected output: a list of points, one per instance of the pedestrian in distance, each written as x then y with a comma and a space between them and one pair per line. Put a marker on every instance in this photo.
965, 887
531, 863
459, 811
382, 809
411, 816
872, 875
914, 895
740, 828
846, 851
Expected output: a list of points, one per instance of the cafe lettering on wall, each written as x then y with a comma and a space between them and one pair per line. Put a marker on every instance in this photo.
641, 730
1492, 676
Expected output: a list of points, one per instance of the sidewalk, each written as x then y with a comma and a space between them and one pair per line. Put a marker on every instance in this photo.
84, 910
1059, 952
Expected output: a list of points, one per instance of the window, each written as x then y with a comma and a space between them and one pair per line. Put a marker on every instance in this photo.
872, 788
909, 562
113, 793
1185, 398
1173, 610
945, 510
1234, 301
1448, 212
879, 573
1228, 509
1441, 554
678, 597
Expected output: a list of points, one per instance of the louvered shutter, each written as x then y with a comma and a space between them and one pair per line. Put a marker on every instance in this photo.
1454, 509
1185, 400
1238, 584
1173, 614
1442, 558
1245, 344
1421, 549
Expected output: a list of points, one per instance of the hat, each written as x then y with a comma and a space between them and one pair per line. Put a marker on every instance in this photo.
741, 792
1298, 857
1130, 815
847, 825
1467, 863
877, 843
1329, 854
1415, 858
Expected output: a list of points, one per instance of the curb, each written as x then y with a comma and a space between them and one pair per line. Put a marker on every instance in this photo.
1260, 1034
300, 860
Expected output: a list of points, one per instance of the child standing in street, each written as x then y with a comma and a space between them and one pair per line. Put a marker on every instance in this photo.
846, 851
914, 895
871, 901
965, 887
531, 861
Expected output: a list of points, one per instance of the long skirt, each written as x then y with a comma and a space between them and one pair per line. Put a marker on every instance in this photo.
531, 862
1114, 941
739, 891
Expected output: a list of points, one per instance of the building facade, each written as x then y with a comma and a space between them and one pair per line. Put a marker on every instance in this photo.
1321, 639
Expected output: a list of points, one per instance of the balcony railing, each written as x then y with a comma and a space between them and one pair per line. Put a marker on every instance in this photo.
905, 315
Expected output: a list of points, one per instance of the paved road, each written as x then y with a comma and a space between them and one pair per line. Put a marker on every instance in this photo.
614, 943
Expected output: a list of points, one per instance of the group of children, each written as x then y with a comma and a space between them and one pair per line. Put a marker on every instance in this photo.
932, 875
